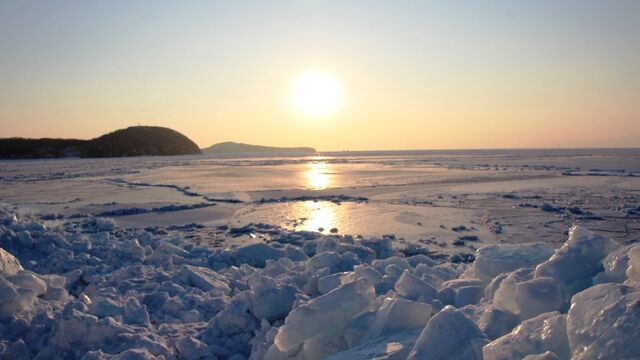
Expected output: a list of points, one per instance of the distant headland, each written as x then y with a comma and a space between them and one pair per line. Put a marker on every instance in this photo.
233, 148
132, 141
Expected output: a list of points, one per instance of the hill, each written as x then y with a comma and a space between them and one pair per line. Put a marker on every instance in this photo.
239, 148
132, 141
141, 141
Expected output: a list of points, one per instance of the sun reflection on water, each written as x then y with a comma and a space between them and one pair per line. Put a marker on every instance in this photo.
317, 175
318, 215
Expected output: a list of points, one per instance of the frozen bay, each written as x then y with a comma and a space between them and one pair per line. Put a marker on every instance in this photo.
518, 254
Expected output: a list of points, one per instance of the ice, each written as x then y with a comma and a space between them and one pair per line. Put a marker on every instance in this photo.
383, 247
343, 245
493, 260
8, 263
578, 260
18, 351
461, 292
393, 347
134, 313
416, 260
545, 332
323, 345
633, 269
449, 334
94, 293
495, 322
329, 312
547, 355
615, 266
329, 282
435, 276
105, 224
258, 254
358, 328
519, 294
77, 328
192, 349
13, 299
333, 261
236, 317
364, 271
269, 300
467, 295
412, 287
537, 296
396, 314
28, 280
203, 278
603, 322
104, 307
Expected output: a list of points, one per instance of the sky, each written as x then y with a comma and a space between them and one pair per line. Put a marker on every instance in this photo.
411, 74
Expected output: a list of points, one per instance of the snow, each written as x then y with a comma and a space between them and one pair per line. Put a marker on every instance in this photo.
90, 289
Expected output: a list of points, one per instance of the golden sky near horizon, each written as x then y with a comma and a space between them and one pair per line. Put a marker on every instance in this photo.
335, 75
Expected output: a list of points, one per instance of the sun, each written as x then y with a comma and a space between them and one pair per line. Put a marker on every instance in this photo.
316, 94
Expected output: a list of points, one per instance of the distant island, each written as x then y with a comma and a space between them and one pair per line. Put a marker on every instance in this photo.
132, 141
231, 148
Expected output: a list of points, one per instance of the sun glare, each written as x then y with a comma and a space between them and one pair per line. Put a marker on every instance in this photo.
316, 94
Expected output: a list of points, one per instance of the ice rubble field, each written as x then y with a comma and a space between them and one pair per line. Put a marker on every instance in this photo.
90, 290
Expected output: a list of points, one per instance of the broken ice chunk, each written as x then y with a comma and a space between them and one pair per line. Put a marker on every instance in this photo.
329, 312
449, 335
258, 254
269, 300
396, 314
9, 265
578, 260
604, 322
203, 278
28, 280
545, 332
633, 269
493, 260
412, 287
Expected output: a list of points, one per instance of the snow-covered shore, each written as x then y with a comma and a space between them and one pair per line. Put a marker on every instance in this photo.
87, 289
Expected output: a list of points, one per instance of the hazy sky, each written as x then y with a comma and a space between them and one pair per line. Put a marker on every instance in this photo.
413, 74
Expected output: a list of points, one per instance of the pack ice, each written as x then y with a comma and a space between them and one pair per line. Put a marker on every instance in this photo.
87, 289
